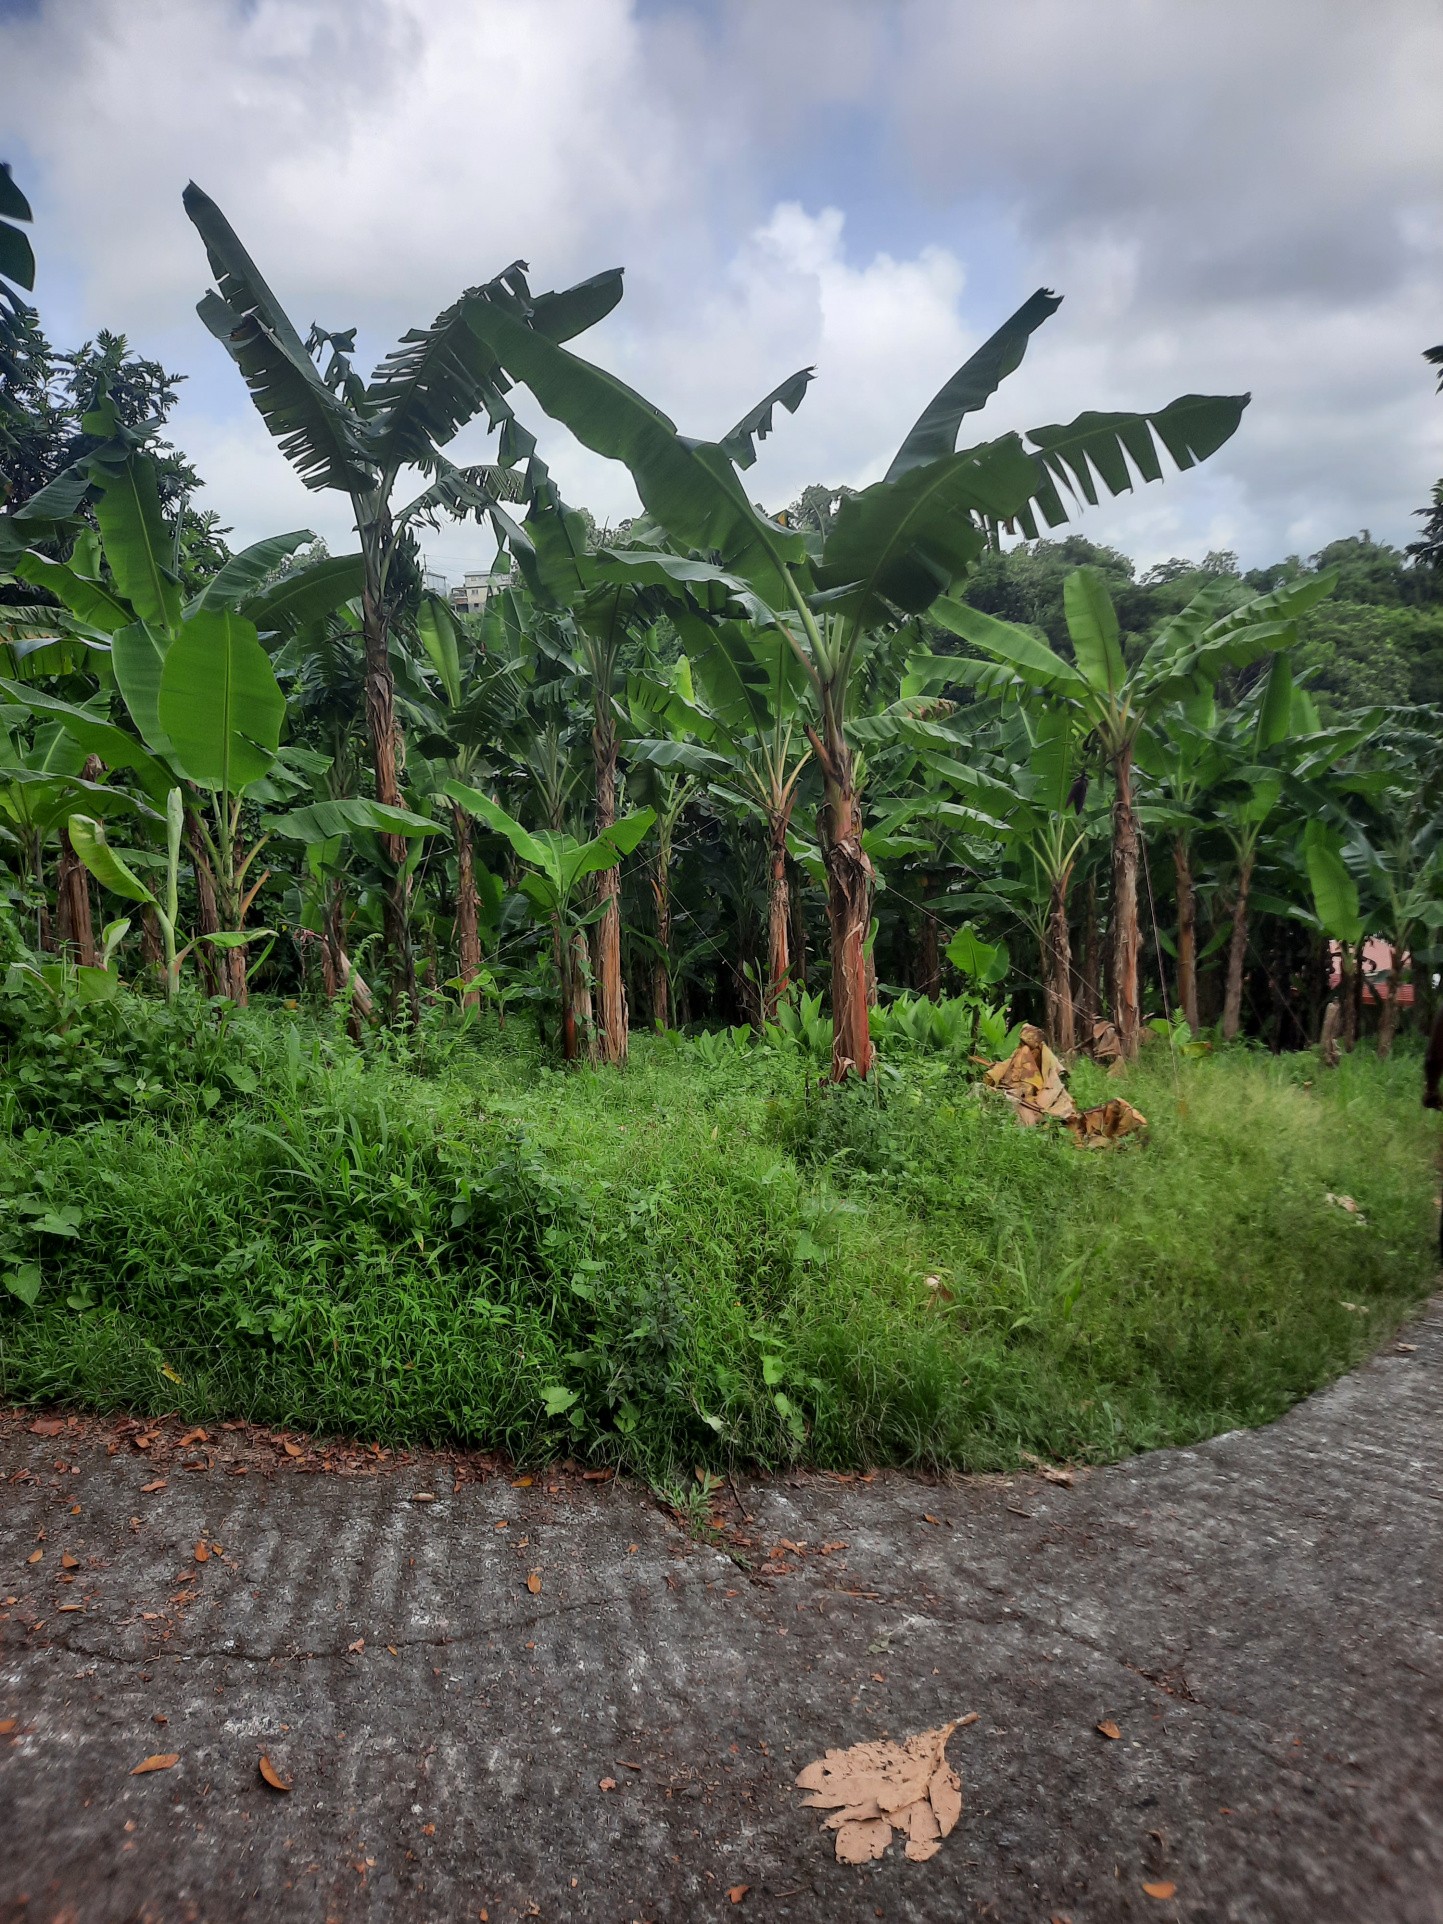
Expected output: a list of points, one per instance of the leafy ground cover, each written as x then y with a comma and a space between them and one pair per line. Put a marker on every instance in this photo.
706, 1259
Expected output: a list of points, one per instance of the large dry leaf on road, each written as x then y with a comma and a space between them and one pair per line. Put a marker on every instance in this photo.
164, 1760
1031, 1080
1095, 1128
876, 1788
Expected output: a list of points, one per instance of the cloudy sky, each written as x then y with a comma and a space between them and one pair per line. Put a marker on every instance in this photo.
1230, 194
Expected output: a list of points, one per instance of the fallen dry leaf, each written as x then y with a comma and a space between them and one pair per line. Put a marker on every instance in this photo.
521, 1483
597, 1476
877, 1787
68, 1562
192, 1436
533, 1583
607, 1783
1094, 1128
166, 1760
202, 1554
738, 1892
1161, 1890
358, 1646
35, 1556
149, 1489
294, 1449
927, 1517
424, 1496
271, 1775
1108, 1728
47, 1426
7, 1725
1051, 1474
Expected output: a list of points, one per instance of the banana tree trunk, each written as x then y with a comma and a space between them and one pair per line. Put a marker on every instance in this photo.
1348, 970
1186, 932
1057, 970
929, 954
209, 960
1126, 934
849, 905
72, 905
1237, 953
779, 922
385, 737
610, 988
468, 940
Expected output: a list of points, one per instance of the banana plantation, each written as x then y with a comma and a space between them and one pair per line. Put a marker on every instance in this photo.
562, 1023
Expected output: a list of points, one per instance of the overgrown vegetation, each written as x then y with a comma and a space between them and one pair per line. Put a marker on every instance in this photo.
717, 1257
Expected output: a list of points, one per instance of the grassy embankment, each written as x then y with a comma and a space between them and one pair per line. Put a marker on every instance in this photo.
697, 1262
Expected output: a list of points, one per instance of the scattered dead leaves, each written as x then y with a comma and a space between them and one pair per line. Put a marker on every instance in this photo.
271, 1775
1032, 1081
47, 1426
878, 1787
163, 1760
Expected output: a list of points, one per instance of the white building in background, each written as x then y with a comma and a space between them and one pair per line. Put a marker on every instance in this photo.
434, 584
471, 597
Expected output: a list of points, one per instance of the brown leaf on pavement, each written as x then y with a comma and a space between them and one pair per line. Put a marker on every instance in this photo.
35, 1556
1161, 1890
271, 1775
165, 1760
149, 1489
68, 1562
738, 1892
533, 1583
192, 1436
202, 1554
878, 1787
47, 1426
295, 1449
1107, 1728
607, 1783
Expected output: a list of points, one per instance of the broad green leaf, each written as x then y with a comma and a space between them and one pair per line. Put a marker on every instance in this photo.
87, 838
138, 544
739, 444
525, 844
88, 599
1023, 651
1276, 714
307, 596
985, 962
24, 1281
436, 626
935, 433
137, 655
690, 487
905, 542
323, 821
1100, 446
1335, 893
1092, 624
243, 574
219, 702
313, 425
97, 736
605, 850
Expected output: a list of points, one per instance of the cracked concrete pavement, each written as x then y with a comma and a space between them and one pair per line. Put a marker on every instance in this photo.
546, 1700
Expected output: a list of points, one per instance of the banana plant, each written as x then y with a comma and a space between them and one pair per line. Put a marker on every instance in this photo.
890, 551
112, 871
742, 704
354, 436
1115, 700
556, 865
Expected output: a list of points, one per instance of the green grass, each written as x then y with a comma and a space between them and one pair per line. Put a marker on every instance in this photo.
700, 1262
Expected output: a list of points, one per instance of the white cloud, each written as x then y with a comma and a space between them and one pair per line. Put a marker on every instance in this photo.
1236, 196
